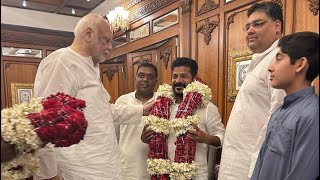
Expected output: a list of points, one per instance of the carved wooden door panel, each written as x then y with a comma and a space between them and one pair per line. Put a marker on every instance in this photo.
132, 63
166, 53
306, 18
19, 75
113, 80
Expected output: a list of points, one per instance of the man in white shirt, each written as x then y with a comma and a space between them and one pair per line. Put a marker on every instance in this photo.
256, 99
210, 130
134, 153
75, 71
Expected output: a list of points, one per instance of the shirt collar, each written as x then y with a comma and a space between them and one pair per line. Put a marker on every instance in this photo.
151, 99
297, 96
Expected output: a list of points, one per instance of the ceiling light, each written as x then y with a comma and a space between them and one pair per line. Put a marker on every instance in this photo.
118, 19
24, 3
73, 11
88, 0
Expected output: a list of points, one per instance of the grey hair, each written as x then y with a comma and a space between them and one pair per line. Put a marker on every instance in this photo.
88, 21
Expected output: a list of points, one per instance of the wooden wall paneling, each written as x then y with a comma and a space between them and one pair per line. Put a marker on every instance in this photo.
306, 18
111, 79
166, 53
145, 42
208, 53
204, 6
148, 7
185, 28
16, 72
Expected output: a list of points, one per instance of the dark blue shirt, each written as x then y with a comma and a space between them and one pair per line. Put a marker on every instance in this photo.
291, 148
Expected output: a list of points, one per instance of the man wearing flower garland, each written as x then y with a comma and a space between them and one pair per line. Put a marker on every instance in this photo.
256, 99
134, 153
208, 131
75, 71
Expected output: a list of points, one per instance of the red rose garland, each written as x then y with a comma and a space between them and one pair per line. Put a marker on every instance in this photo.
158, 144
57, 119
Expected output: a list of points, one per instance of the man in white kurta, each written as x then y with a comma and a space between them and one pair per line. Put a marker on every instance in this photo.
210, 129
210, 124
75, 71
133, 151
256, 99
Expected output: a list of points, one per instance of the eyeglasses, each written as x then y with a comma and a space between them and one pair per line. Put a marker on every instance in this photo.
255, 24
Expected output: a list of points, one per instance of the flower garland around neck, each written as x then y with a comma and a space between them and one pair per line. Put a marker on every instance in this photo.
57, 119
195, 95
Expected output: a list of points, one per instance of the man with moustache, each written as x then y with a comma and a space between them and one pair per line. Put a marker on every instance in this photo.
256, 99
133, 152
75, 71
210, 130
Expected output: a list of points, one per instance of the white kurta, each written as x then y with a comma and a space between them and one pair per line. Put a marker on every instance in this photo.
97, 156
210, 123
245, 131
134, 153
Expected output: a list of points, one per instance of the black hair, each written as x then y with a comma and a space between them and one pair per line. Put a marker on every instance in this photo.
303, 44
147, 64
272, 10
188, 62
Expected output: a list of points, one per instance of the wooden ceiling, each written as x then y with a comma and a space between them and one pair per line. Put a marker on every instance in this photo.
64, 7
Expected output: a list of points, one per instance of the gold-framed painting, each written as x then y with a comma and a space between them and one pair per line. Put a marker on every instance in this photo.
238, 64
21, 92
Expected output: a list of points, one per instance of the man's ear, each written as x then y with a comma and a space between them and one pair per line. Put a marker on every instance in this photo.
88, 34
278, 26
302, 64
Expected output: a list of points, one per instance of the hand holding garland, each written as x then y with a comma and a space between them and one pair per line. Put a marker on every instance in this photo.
202, 137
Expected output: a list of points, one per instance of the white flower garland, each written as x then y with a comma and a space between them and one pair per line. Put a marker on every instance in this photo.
159, 166
165, 90
17, 129
24, 160
183, 171
158, 125
201, 88
176, 171
182, 125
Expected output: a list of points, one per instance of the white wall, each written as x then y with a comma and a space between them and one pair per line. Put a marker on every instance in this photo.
23, 17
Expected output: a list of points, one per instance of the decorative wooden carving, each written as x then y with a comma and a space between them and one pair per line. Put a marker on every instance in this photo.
314, 6
165, 55
110, 71
208, 6
230, 19
149, 8
185, 6
141, 60
131, 3
207, 28
278, 2
7, 65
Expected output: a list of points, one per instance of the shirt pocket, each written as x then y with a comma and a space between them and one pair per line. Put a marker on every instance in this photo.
281, 141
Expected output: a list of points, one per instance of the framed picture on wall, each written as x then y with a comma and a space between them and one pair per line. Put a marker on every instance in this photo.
238, 64
21, 92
